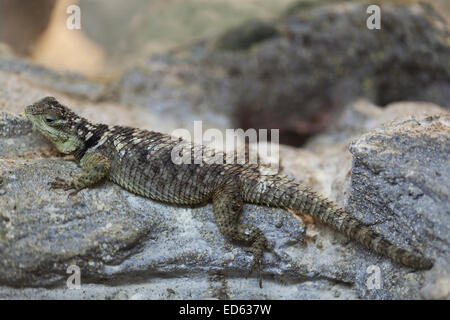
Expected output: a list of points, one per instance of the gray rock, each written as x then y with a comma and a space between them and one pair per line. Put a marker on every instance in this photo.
12, 125
246, 35
361, 116
70, 83
186, 91
400, 183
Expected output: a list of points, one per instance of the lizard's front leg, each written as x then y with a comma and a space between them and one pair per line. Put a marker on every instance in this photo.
227, 206
95, 168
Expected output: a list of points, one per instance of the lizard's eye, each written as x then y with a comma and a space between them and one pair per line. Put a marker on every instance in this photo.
50, 118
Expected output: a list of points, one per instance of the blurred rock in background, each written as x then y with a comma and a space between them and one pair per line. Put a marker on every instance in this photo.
299, 72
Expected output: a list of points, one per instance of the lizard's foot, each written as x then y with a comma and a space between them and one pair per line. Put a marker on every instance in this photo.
64, 185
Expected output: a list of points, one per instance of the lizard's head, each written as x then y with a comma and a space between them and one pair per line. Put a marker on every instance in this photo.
57, 123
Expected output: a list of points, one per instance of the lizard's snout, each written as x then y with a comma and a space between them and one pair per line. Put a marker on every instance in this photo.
30, 110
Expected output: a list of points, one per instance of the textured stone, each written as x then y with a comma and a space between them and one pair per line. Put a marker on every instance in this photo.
400, 184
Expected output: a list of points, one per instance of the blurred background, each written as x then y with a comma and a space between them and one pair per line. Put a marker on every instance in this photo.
287, 64
115, 32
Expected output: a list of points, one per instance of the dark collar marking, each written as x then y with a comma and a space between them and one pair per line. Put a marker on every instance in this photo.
92, 141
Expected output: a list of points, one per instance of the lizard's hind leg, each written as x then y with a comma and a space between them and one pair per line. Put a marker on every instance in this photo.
227, 206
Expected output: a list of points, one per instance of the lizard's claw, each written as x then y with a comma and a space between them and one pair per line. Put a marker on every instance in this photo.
73, 193
257, 262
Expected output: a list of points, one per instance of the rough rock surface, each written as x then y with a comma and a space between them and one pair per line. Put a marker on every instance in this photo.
401, 184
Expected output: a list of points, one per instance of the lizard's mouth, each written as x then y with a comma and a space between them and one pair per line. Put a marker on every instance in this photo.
29, 115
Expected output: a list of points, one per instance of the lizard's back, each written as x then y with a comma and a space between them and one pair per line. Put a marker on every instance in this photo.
142, 162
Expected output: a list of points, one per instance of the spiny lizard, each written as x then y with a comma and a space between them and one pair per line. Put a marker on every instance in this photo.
141, 162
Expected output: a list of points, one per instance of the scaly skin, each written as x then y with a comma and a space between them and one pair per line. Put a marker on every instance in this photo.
141, 162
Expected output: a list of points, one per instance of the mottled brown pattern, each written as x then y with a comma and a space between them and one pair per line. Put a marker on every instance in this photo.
141, 162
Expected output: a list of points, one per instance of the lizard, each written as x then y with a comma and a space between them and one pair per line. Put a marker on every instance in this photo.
141, 162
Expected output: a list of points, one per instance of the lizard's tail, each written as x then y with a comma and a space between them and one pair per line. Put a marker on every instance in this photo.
286, 193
